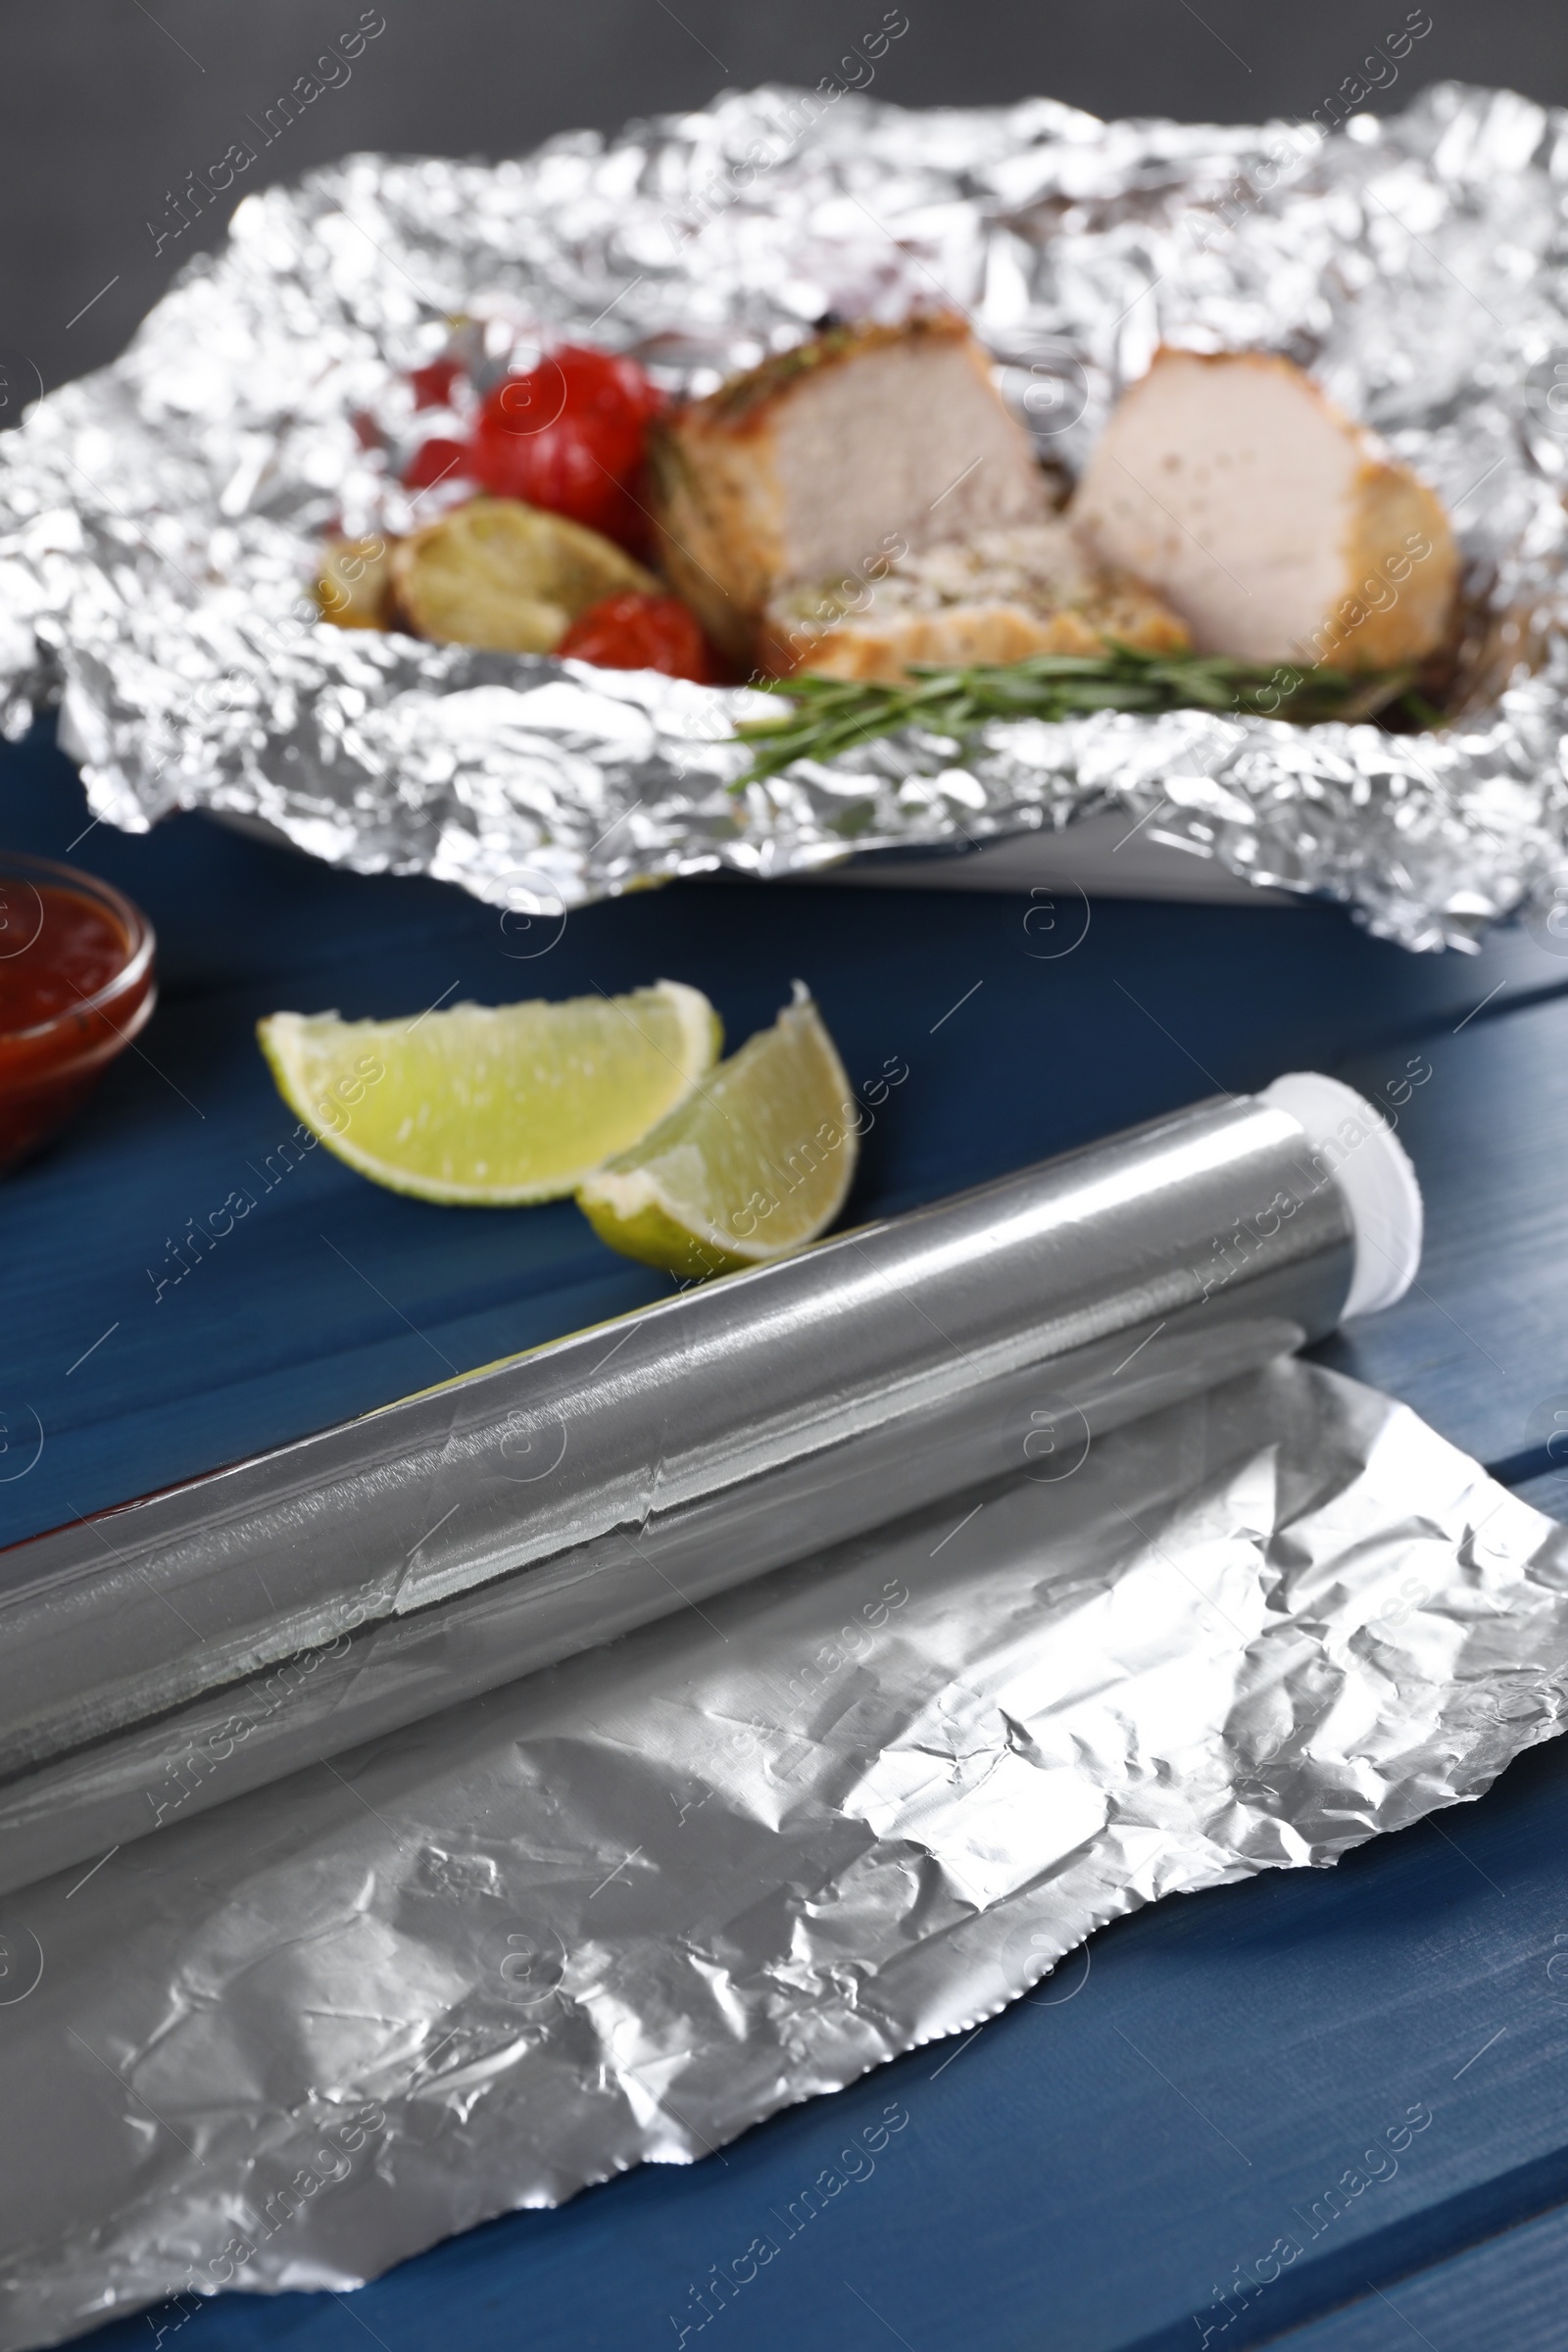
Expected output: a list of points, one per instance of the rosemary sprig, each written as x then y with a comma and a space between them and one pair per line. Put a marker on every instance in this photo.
829, 715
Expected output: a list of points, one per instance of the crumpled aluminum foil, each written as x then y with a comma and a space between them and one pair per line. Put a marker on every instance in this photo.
158, 520
883, 1791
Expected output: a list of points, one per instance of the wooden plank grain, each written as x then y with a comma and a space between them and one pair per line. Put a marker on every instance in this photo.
1010, 1054
1480, 1346
1504, 2295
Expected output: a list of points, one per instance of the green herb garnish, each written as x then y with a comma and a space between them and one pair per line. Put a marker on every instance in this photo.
830, 715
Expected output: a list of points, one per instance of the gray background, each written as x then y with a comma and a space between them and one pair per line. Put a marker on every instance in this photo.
105, 105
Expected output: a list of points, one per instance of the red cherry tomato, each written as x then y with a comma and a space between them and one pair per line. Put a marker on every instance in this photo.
432, 385
642, 632
437, 461
569, 436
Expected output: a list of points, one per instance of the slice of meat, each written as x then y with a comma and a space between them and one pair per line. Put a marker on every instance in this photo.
864, 441
497, 573
999, 597
1276, 527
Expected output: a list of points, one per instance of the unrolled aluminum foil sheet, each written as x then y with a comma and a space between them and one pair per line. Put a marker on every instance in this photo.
619, 1912
159, 520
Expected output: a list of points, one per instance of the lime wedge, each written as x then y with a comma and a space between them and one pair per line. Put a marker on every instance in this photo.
754, 1163
493, 1105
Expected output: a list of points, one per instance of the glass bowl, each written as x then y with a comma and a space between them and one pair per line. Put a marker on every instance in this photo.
75, 987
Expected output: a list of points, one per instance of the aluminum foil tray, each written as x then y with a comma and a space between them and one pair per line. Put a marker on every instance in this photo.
158, 520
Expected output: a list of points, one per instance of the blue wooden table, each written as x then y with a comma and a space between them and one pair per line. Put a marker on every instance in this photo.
1094, 2169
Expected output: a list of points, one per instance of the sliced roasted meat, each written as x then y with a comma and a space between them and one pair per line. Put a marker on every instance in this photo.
999, 597
1277, 529
864, 442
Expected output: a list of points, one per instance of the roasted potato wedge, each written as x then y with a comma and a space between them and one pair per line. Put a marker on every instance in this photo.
500, 574
354, 586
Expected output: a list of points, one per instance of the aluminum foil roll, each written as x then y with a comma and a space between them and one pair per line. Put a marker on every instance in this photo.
617, 1912
159, 520
172, 1654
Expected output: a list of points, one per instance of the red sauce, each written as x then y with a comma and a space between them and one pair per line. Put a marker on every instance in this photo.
75, 985
56, 949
